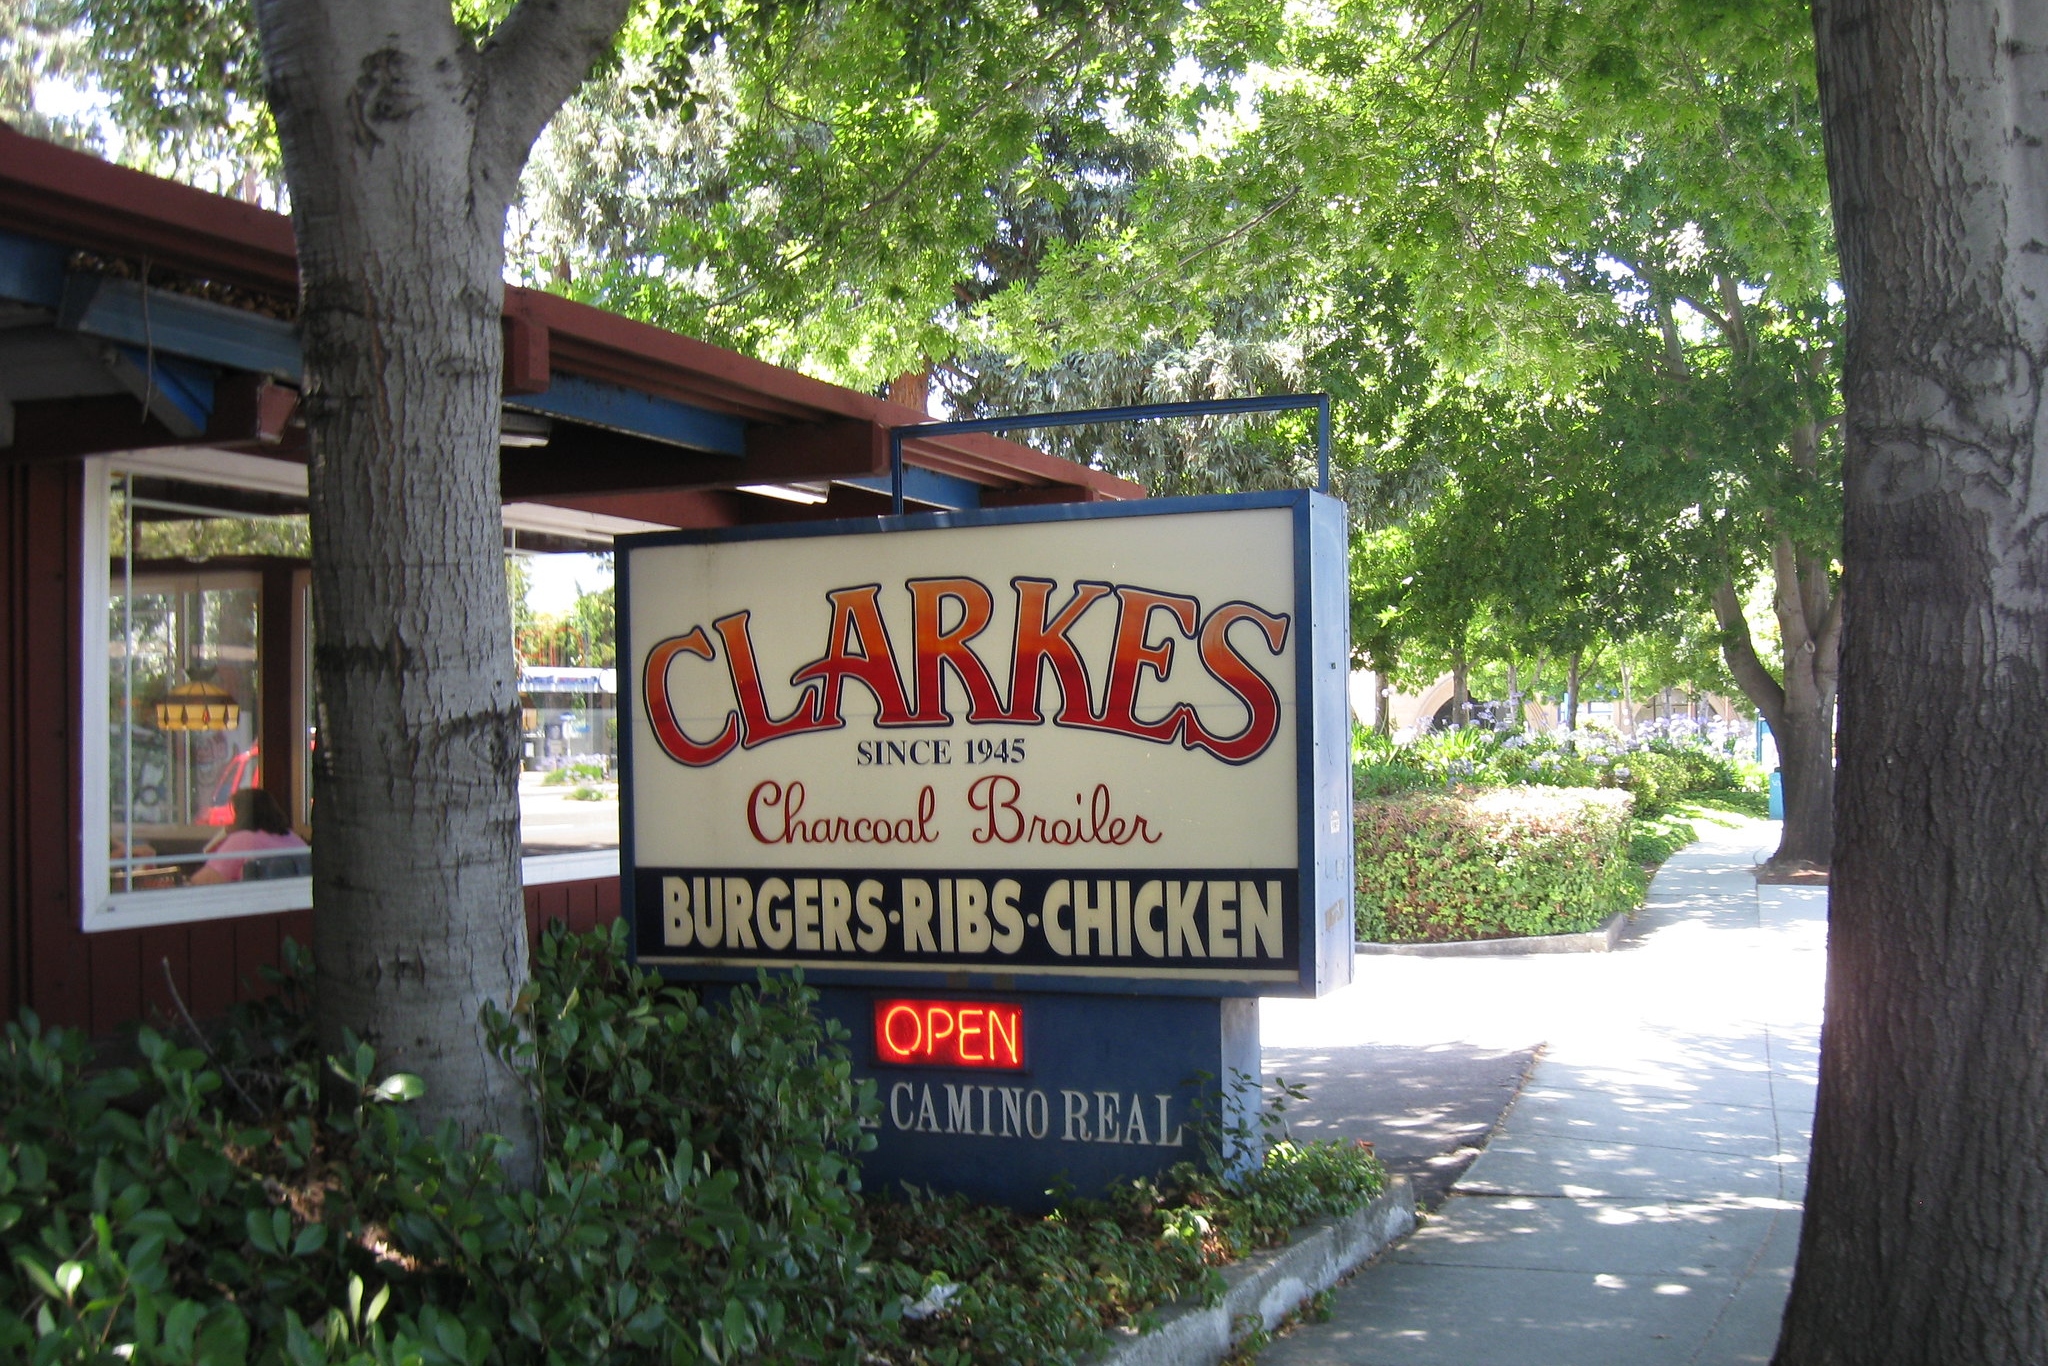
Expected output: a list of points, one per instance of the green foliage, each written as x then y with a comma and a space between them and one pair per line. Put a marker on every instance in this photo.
1655, 780
699, 1201
1710, 770
142, 1222
1661, 768
1752, 799
836, 187
184, 84
1499, 864
1030, 1289
1475, 757
1446, 851
577, 772
1652, 840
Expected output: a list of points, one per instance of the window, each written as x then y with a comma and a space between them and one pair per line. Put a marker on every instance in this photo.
198, 686
562, 620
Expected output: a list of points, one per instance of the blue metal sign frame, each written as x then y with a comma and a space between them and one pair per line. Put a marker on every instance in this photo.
1324, 848
1136, 412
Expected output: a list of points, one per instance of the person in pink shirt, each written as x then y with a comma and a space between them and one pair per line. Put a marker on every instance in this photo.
259, 824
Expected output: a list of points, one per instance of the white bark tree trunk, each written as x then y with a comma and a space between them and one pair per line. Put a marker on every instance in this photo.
1926, 1232
403, 143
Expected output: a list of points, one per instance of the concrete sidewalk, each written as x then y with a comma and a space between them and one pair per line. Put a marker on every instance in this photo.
1640, 1203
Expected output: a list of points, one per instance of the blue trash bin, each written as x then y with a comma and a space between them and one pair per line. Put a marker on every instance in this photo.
1777, 794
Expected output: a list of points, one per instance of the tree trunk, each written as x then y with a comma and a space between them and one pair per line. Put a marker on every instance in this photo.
1800, 710
1926, 1231
1382, 695
403, 144
1628, 707
1571, 693
1461, 696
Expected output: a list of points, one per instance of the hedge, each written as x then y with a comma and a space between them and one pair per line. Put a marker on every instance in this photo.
700, 1201
1515, 861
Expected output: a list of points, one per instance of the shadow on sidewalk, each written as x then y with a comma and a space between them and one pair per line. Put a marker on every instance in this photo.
1428, 1111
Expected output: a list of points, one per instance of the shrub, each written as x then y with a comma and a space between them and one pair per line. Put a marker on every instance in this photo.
697, 1196
1517, 861
1380, 766
579, 772
1706, 770
1654, 780
698, 1201
1043, 1289
1745, 802
1652, 841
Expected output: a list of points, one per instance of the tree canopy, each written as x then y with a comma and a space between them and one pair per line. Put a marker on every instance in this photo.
1567, 269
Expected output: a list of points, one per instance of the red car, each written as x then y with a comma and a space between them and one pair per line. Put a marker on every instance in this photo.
244, 770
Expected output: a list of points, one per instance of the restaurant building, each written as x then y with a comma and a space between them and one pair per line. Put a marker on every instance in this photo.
155, 650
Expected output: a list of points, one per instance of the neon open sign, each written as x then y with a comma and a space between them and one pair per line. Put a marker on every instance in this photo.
979, 1034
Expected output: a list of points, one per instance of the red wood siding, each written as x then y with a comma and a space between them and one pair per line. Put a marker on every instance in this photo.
48, 965
215, 963
579, 905
103, 982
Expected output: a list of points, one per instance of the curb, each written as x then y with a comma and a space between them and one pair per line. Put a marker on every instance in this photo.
1268, 1286
1590, 941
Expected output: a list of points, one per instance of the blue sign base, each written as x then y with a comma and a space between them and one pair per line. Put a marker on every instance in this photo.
1111, 1087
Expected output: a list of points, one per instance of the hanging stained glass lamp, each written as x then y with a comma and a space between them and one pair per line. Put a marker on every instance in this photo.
198, 705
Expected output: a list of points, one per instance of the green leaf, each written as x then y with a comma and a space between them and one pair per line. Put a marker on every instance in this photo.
69, 1274
400, 1086
39, 1275
261, 1233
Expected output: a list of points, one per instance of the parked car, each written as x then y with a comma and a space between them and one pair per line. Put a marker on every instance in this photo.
244, 770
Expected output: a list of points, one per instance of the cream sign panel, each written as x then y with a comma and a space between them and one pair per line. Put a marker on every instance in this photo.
1037, 748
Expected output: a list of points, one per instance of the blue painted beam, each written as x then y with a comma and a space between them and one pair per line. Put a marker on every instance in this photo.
926, 486
594, 404
1140, 412
31, 270
117, 310
185, 387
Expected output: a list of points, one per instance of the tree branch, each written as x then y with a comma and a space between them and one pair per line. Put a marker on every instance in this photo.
1733, 325
531, 63
1710, 314
1827, 645
1674, 350
1814, 595
1794, 625
1739, 650
1239, 231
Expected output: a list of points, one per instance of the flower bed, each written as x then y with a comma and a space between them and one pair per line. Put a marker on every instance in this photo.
1499, 864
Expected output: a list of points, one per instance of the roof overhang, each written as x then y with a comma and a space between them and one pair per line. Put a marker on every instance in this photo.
608, 416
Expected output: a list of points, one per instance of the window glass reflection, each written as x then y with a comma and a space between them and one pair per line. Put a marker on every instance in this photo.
203, 623
563, 626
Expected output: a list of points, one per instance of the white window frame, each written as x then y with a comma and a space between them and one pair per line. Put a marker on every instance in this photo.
102, 908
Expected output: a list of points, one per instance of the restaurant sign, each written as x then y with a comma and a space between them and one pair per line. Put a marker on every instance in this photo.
1092, 748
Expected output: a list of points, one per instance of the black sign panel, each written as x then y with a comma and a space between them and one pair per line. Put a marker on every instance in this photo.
1189, 926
